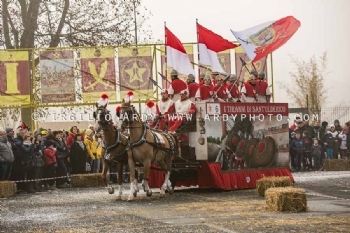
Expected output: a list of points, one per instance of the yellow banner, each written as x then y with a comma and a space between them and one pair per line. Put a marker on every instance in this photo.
135, 70
14, 56
97, 53
14, 78
98, 73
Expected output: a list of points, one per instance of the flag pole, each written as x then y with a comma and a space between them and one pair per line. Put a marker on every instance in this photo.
273, 92
199, 70
165, 57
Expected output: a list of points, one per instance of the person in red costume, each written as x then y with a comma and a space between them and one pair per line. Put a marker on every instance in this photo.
220, 89
184, 108
192, 87
164, 108
233, 93
205, 91
176, 86
213, 78
201, 78
249, 90
262, 89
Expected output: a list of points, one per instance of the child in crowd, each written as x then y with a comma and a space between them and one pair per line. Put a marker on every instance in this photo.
316, 152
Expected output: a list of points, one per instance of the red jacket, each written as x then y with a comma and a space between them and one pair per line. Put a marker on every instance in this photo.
192, 88
178, 85
49, 156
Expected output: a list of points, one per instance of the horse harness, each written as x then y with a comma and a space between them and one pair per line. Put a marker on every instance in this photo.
157, 144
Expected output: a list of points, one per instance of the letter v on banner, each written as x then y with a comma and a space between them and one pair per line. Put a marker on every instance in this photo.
263, 39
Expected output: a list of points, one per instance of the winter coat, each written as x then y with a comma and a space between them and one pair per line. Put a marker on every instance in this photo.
297, 145
307, 143
330, 143
6, 153
99, 149
27, 152
316, 150
62, 149
78, 158
50, 156
90, 147
343, 140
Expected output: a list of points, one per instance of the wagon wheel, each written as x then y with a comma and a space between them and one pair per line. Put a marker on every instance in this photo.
249, 152
232, 140
241, 147
264, 153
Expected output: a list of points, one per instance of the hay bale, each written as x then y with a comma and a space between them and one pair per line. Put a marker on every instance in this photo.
87, 180
272, 181
336, 164
286, 199
7, 189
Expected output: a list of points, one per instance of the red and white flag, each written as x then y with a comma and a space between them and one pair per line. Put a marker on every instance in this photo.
209, 44
176, 55
261, 40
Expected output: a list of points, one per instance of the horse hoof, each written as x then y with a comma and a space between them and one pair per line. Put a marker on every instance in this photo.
171, 191
134, 194
110, 190
148, 193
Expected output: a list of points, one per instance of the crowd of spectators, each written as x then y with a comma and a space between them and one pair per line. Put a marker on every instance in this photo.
44, 155
311, 144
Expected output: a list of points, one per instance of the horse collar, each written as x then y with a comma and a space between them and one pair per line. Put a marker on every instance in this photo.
117, 142
141, 140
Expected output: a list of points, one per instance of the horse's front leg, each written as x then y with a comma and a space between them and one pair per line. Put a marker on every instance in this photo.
120, 181
146, 168
104, 172
133, 182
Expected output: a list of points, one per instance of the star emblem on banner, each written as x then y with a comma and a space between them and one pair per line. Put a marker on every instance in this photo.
135, 72
56, 55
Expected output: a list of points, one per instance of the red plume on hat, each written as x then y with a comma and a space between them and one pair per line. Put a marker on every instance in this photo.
129, 96
103, 100
117, 110
150, 103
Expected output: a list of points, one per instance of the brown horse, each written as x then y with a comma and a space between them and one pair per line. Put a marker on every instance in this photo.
115, 146
147, 146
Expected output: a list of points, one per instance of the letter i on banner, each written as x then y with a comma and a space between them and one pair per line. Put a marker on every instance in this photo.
14, 78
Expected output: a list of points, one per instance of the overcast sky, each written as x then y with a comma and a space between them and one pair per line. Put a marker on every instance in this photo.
324, 27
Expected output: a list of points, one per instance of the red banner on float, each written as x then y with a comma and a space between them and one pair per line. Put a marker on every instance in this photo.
266, 109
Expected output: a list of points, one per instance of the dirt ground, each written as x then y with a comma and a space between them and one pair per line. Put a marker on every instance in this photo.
188, 210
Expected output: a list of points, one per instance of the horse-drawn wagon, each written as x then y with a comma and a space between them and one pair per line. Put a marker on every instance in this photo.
223, 145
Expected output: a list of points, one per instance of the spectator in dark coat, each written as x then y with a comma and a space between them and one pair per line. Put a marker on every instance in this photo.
297, 146
17, 169
61, 153
6, 157
78, 155
307, 140
27, 152
316, 152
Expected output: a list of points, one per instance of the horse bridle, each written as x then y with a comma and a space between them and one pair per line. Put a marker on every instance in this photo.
102, 125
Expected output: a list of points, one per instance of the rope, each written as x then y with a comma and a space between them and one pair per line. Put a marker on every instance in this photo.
60, 177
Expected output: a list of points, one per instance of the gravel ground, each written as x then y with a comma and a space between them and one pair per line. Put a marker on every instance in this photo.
188, 210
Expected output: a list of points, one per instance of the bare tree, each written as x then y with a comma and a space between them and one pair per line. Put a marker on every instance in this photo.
36, 23
308, 81
56, 23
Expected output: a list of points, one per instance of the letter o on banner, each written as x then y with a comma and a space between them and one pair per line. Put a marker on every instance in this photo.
261, 117
279, 117
306, 117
